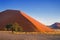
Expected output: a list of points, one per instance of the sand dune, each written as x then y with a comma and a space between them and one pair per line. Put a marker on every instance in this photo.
26, 22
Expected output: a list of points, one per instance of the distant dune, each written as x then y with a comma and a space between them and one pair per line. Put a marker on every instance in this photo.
26, 22
55, 25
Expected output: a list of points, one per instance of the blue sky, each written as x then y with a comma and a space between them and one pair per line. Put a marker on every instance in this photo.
44, 11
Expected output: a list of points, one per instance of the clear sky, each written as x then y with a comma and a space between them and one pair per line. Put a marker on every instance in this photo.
44, 11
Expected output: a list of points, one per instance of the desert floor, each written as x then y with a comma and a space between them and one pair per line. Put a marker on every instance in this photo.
9, 36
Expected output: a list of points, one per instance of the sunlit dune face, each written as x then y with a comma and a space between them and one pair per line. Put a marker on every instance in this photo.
38, 25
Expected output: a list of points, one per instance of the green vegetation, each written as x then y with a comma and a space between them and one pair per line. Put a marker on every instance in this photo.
17, 27
8, 27
14, 27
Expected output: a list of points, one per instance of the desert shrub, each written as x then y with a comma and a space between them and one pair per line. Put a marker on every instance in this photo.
8, 27
17, 27
14, 27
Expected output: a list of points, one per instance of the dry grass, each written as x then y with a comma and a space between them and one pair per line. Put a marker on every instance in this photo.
5, 35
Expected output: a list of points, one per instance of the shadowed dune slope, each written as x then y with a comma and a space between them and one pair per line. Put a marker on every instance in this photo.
26, 22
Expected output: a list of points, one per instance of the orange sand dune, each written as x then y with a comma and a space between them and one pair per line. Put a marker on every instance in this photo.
38, 25
26, 22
